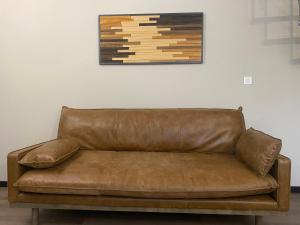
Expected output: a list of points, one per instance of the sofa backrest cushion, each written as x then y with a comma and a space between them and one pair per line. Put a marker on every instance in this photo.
174, 130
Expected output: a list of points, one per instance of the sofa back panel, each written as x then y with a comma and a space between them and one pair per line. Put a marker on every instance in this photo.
174, 130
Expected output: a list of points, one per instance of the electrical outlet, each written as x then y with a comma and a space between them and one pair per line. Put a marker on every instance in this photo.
248, 80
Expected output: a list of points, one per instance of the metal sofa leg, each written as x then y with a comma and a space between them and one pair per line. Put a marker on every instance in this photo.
35, 216
257, 220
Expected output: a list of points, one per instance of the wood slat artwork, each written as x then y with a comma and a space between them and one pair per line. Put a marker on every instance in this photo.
151, 38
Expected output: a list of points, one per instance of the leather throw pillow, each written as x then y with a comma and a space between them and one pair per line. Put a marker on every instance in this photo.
258, 150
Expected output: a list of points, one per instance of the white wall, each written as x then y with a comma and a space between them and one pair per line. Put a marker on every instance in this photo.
49, 58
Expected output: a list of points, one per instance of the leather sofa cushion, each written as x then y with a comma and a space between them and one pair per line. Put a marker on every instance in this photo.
50, 154
258, 150
148, 175
170, 130
247, 203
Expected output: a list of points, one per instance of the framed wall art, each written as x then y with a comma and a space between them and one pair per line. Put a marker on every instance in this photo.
151, 38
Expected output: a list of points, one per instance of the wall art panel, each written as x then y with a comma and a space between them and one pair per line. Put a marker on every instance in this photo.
151, 38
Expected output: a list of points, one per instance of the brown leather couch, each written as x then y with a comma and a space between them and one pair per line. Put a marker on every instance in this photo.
151, 160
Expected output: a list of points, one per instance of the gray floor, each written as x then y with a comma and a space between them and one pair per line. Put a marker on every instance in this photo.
12, 216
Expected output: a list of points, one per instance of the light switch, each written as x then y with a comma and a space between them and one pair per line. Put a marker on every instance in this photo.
248, 80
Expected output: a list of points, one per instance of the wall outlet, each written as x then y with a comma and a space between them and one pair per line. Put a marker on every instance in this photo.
248, 80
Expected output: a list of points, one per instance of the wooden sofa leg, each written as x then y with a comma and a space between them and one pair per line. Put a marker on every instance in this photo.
35, 216
257, 220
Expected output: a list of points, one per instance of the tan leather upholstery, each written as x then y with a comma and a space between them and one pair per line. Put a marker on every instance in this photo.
50, 154
281, 171
148, 175
174, 139
181, 130
257, 202
258, 150
15, 170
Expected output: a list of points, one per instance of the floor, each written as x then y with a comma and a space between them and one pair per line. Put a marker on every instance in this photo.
13, 216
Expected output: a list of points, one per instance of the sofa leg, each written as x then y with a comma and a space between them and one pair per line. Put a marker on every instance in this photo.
257, 220
35, 216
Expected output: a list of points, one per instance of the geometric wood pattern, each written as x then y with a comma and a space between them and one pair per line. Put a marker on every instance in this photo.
151, 38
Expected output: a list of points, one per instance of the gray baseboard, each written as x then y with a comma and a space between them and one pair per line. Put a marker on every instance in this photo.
3, 183
295, 189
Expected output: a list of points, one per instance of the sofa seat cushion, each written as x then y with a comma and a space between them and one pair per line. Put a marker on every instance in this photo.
148, 175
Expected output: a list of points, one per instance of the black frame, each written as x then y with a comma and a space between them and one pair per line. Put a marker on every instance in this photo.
150, 63
299, 12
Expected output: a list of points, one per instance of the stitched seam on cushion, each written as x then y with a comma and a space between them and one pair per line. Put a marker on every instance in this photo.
273, 186
174, 192
157, 194
66, 156
95, 189
275, 151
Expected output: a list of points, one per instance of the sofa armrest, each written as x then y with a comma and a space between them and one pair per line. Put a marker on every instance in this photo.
281, 171
15, 170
